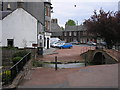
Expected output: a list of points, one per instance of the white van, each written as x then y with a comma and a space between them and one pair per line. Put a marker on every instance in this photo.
52, 40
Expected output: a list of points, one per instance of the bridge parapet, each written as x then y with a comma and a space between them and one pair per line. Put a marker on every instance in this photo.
99, 56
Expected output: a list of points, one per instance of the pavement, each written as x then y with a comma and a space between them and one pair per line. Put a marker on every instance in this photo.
49, 51
97, 76
101, 76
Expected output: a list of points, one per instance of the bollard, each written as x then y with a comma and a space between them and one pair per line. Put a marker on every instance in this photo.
55, 63
85, 61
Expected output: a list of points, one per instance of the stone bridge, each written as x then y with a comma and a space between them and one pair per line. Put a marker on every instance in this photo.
99, 56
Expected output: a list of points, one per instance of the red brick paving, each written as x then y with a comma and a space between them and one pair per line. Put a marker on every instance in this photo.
48, 76
91, 76
65, 55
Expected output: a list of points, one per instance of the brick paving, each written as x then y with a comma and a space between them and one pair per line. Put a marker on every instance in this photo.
91, 76
65, 55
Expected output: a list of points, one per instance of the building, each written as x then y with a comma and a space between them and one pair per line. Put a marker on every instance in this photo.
20, 29
55, 29
77, 33
47, 23
41, 11
119, 6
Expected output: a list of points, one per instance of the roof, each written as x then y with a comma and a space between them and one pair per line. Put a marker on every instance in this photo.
57, 33
3, 14
75, 28
6, 14
55, 27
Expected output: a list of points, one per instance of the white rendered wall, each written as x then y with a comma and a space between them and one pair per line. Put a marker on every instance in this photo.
20, 26
0, 33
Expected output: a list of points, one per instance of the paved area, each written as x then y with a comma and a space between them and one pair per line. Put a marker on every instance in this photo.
85, 77
49, 51
66, 55
99, 76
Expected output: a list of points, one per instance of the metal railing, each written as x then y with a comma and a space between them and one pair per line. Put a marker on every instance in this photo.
10, 74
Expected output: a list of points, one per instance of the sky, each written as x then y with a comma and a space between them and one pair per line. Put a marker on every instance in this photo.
64, 10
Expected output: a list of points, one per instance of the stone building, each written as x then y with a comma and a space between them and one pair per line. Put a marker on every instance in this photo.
77, 33
55, 29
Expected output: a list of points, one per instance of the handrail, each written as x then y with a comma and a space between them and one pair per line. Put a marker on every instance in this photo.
20, 60
15, 69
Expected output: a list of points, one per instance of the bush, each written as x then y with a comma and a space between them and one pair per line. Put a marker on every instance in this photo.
16, 59
37, 64
6, 76
20, 54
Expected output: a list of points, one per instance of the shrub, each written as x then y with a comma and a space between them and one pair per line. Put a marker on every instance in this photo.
6, 75
16, 59
37, 64
20, 54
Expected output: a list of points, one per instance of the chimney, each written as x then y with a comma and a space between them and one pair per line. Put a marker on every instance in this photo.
54, 21
8, 7
20, 4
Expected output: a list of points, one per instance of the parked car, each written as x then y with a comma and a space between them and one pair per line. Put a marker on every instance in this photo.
74, 42
66, 45
56, 44
103, 43
91, 43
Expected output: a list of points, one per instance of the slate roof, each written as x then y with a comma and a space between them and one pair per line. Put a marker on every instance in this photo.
56, 30
57, 33
55, 27
75, 28
3, 14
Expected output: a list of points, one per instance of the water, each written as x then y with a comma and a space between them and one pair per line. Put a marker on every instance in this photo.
70, 65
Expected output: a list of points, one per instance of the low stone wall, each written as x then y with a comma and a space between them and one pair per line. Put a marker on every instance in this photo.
89, 55
20, 76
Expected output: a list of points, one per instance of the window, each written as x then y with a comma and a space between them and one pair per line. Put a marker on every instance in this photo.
65, 34
70, 33
10, 42
75, 33
47, 11
47, 25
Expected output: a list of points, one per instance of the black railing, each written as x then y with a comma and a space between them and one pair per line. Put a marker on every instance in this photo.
9, 75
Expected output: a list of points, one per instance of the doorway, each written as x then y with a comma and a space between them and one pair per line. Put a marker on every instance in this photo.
47, 43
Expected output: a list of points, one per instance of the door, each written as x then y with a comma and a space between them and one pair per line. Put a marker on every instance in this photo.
47, 43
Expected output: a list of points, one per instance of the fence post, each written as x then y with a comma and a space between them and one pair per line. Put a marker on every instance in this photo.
55, 63
85, 60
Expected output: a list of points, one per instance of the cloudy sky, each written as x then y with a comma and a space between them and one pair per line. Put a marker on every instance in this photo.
65, 9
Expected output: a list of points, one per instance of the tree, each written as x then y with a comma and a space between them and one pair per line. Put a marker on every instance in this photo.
62, 28
70, 22
105, 25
